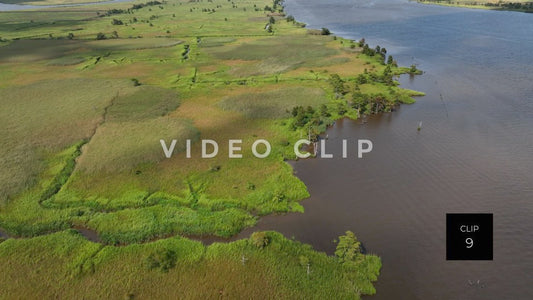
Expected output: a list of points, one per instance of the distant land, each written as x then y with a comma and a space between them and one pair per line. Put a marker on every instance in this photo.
518, 5
49, 2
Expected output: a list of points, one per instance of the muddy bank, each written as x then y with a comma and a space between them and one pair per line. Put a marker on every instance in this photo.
3, 234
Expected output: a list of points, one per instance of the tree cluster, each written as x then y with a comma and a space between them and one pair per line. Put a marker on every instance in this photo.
338, 85
316, 120
371, 104
115, 11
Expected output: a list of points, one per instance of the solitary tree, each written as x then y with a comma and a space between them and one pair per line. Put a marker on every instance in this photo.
348, 248
413, 69
390, 60
338, 84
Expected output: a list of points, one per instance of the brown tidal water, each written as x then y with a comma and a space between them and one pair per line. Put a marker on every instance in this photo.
474, 153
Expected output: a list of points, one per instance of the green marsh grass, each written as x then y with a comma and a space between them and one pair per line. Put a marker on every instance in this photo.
238, 269
274, 104
237, 82
38, 119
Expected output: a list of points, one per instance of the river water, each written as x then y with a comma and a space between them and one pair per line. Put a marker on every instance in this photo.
474, 153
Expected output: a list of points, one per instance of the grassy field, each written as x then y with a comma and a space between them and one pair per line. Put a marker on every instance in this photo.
273, 104
88, 92
178, 267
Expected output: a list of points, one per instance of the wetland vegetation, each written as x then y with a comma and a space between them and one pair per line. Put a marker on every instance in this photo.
87, 93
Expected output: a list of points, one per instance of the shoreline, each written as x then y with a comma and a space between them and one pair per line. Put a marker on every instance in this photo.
93, 234
284, 199
504, 6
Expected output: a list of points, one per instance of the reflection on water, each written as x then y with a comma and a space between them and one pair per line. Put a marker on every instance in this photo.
473, 154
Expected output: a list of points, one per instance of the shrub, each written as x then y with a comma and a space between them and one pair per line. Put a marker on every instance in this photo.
278, 196
164, 260
260, 239
117, 22
100, 36
135, 82
304, 261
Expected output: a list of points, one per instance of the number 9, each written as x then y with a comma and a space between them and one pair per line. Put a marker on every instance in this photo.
469, 243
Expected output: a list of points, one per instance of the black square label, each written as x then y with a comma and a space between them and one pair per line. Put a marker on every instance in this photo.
469, 236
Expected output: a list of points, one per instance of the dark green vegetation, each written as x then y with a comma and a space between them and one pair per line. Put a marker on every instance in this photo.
82, 150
